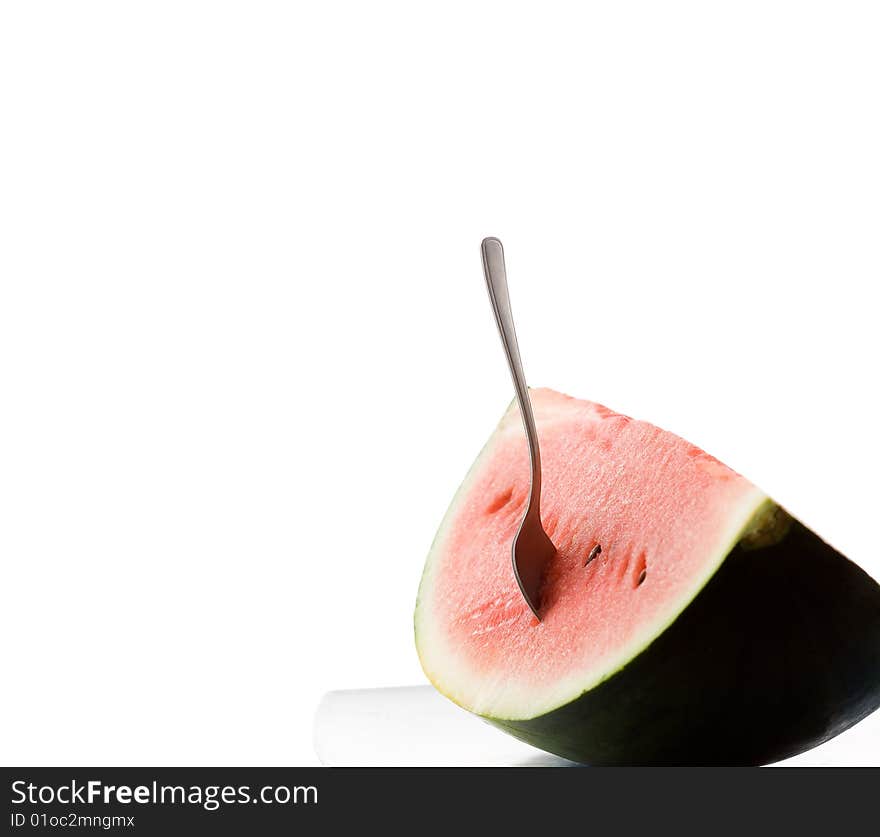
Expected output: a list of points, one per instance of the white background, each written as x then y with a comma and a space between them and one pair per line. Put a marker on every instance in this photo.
246, 353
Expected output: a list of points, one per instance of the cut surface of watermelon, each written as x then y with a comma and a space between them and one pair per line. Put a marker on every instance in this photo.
665, 514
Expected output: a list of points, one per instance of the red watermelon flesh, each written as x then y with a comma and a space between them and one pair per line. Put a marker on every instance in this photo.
665, 513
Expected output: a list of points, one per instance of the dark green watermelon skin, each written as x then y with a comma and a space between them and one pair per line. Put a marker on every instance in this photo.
779, 652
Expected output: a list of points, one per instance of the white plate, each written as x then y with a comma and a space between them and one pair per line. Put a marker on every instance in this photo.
415, 726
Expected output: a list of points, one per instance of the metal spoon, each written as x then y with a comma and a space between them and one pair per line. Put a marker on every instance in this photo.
532, 548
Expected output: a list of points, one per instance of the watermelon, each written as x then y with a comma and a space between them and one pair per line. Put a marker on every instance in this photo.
685, 619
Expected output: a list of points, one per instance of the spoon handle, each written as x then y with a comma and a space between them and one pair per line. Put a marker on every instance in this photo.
496, 282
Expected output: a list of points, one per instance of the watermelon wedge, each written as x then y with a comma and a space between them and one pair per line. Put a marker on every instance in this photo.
711, 628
